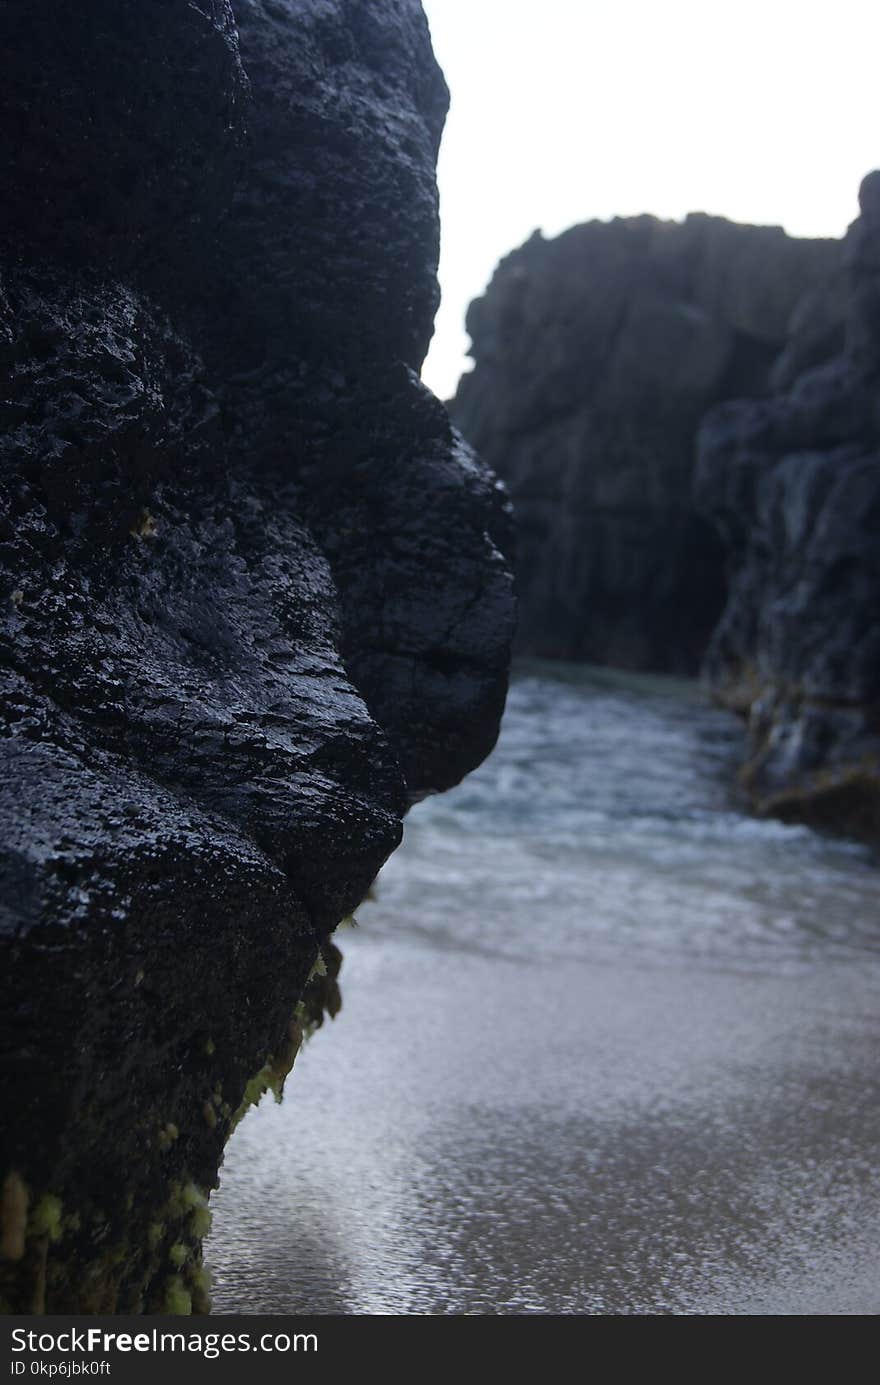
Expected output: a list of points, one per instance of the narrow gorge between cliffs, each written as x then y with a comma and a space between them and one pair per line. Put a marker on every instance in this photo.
608, 1023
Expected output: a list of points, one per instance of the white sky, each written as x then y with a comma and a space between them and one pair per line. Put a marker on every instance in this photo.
566, 110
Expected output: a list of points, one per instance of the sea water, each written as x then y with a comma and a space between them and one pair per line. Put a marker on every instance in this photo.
609, 1044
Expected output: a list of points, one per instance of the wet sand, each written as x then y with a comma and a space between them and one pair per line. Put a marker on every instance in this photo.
522, 1109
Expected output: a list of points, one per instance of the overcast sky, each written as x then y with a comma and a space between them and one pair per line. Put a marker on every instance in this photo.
565, 110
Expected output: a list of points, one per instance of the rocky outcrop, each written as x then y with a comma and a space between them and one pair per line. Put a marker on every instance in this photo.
597, 354
793, 484
253, 597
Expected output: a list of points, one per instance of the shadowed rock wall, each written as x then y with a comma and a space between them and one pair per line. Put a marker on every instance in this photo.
793, 484
596, 356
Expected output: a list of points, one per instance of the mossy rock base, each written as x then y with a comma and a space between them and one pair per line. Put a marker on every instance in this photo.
139, 1249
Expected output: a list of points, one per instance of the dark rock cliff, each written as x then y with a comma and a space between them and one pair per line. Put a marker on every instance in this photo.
252, 603
597, 354
793, 485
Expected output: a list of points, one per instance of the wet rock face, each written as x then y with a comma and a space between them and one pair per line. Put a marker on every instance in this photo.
319, 369
121, 135
597, 354
252, 601
793, 484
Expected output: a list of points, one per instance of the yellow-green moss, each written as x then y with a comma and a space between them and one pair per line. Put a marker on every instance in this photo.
184, 1199
273, 1074
177, 1297
318, 969
46, 1218
200, 1222
145, 527
167, 1135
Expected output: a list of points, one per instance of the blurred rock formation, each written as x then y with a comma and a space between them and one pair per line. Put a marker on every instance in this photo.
792, 483
596, 356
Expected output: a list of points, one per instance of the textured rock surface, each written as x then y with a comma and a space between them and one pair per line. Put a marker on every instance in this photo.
597, 354
252, 599
793, 484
